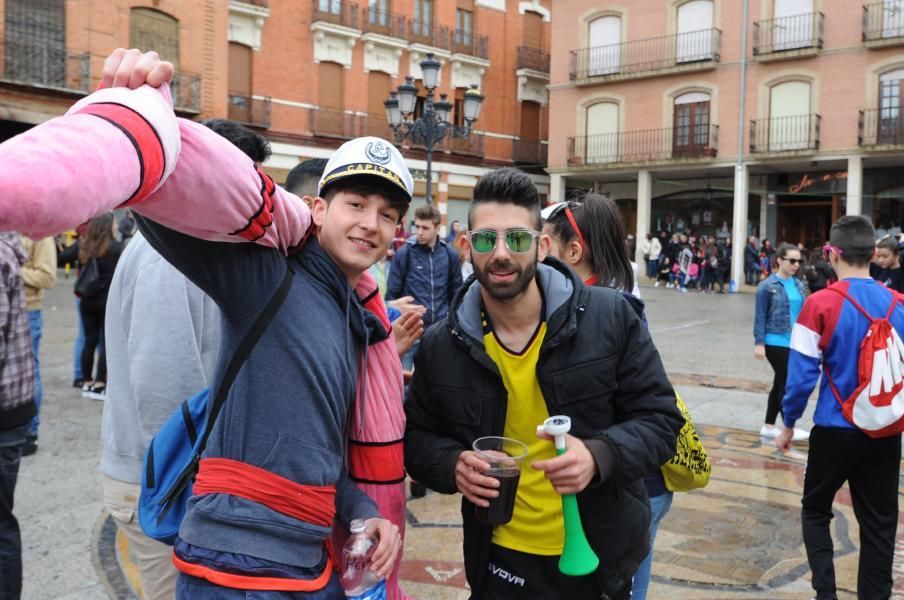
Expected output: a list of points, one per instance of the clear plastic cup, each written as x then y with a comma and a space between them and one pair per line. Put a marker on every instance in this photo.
505, 457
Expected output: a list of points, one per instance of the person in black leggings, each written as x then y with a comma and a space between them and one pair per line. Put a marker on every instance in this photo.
778, 302
99, 244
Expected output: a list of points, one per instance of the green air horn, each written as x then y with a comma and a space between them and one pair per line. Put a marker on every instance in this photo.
578, 558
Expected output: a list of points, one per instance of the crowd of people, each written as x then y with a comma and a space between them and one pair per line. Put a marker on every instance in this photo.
385, 353
684, 261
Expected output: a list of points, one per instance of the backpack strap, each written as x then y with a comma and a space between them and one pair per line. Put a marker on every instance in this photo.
244, 350
238, 359
850, 299
891, 309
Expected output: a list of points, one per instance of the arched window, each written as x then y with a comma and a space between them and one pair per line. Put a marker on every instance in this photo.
330, 118
790, 123
533, 30
792, 25
691, 122
604, 49
157, 31
695, 24
892, 18
602, 141
891, 123
379, 85
35, 41
240, 82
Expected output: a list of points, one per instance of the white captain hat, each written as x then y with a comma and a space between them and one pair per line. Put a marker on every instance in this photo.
368, 156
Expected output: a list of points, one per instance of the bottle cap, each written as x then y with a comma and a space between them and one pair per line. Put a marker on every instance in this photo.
357, 526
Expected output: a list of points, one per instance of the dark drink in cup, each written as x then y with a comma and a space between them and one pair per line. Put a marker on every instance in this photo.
500, 510
504, 455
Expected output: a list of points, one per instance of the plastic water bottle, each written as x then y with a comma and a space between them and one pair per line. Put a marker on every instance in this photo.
358, 580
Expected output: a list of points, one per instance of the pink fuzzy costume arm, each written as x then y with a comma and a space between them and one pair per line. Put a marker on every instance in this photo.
120, 147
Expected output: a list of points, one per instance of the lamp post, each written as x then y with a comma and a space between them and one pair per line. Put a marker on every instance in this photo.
435, 122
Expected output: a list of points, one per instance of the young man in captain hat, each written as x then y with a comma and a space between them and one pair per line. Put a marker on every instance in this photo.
272, 479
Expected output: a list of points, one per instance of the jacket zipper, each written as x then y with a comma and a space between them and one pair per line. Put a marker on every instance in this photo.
432, 290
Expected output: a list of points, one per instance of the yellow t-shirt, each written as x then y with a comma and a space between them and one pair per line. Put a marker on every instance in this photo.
537, 526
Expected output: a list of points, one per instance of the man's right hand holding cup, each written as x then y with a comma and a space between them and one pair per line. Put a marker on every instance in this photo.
471, 482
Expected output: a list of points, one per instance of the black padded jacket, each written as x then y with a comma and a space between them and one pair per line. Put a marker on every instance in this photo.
598, 365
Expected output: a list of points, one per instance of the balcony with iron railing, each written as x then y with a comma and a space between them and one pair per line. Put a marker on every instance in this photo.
470, 43
250, 111
337, 12
883, 24
435, 36
384, 23
376, 126
534, 59
880, 128
43, 66
333, 123
472, 145
186, 91
788, 37
795, 133
690, 51
467, 146
530, 152
648, 145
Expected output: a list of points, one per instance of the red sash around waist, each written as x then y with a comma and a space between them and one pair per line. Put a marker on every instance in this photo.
308, 503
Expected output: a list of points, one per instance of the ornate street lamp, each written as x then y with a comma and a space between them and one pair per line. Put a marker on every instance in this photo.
436, 121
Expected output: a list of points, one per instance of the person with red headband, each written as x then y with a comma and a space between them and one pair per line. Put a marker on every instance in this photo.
586, 235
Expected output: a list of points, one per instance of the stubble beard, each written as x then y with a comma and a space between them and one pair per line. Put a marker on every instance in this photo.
506, 291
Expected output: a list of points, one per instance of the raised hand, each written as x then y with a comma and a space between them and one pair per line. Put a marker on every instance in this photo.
407, 329
134, 68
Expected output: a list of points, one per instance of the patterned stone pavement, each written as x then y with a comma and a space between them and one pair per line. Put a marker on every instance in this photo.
737, 538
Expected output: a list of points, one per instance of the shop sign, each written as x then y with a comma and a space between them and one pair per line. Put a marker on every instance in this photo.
807, 181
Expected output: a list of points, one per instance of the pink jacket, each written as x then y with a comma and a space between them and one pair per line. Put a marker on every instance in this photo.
119, 147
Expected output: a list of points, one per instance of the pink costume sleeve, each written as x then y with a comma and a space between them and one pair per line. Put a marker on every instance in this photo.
120, 147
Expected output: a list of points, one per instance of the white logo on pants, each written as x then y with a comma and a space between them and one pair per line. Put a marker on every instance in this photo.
503, 574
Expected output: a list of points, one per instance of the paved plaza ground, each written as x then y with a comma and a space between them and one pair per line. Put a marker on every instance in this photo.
737, 538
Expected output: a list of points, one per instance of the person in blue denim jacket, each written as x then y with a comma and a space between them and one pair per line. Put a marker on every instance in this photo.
779, 299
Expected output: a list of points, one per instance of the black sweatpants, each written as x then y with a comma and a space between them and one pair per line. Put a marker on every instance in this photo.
778, 360
92, 311
871, 467
515, 575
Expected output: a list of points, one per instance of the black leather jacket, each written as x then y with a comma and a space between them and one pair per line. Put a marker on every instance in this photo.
597, 365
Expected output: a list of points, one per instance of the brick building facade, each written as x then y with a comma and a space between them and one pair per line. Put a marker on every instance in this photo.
646, 104
308, 74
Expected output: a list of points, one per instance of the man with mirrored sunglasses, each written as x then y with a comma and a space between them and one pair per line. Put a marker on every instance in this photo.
525, 340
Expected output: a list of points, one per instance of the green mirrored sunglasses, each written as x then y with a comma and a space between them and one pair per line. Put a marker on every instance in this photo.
516, 240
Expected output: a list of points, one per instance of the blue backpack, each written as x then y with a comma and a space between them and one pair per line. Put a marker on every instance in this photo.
174, 454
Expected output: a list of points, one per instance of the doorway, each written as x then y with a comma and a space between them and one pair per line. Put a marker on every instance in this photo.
806, 220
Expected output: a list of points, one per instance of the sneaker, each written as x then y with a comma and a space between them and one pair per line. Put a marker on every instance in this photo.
684, 290
769, 431
78, 383
30, 446
98, 391
800, 435
86, 388
668, 286
656, 284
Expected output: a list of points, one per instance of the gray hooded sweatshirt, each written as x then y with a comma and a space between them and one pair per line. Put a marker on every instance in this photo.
163, 337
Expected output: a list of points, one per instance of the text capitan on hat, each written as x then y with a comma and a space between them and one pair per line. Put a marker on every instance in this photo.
368, 156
